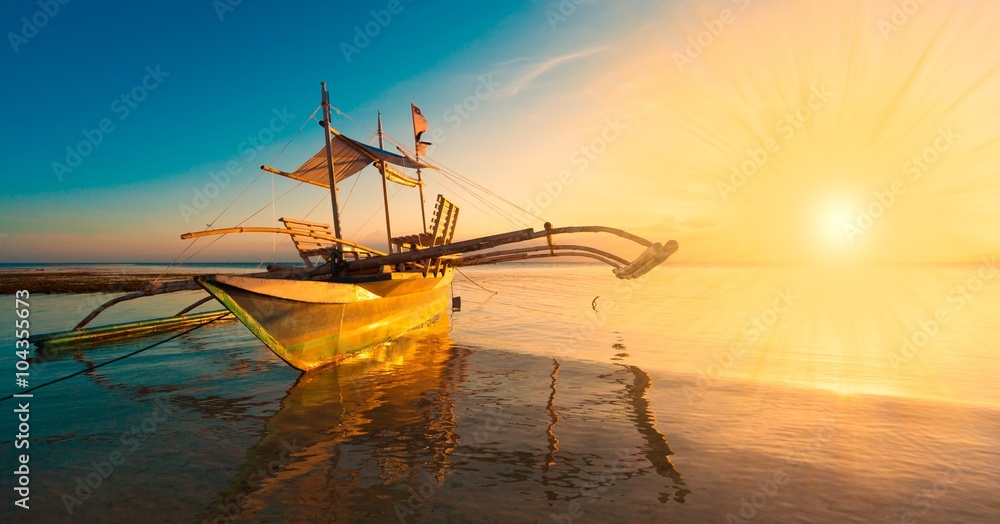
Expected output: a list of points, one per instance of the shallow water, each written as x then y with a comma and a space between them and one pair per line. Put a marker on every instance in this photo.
695, 394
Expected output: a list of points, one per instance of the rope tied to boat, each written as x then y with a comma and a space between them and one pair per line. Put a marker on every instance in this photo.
480, 286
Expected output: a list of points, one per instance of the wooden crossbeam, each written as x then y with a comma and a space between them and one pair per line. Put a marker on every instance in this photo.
475, 244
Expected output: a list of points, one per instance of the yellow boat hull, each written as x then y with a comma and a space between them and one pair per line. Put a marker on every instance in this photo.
312, 324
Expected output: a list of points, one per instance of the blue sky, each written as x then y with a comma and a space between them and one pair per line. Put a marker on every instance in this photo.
166, 93
222, 75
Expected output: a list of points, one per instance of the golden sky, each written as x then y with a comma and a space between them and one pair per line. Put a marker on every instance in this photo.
748, 130
803, 132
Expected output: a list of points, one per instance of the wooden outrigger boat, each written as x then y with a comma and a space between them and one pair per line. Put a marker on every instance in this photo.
349, 297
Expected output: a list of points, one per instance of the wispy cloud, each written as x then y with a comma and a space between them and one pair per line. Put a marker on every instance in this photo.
525, 75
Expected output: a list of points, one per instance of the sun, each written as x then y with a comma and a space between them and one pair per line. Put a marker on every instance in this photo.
834, 223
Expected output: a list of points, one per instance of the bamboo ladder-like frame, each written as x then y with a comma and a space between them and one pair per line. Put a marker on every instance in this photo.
443, 223
308, 240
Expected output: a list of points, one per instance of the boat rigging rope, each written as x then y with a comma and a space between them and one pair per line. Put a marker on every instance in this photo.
273, 200
343, 208
495, 217
376, 212
513, 219
245, 189
474, 282
445, 170
123, 357
219, 237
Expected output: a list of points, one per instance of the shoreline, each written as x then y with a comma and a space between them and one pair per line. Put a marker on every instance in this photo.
64, 281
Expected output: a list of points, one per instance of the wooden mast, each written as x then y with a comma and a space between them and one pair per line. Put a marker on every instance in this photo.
423, 207
329, 163
385, 189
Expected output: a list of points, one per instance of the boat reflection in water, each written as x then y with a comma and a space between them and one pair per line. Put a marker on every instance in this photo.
423, 429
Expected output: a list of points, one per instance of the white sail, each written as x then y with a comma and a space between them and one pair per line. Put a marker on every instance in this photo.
350, 157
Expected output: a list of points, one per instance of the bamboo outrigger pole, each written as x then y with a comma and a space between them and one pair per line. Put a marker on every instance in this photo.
385, 189
329, 162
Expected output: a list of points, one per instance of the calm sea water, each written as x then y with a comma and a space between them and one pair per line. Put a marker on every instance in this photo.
695, 394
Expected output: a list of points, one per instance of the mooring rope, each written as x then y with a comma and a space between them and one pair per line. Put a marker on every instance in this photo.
112, 361
245, 189
474, 282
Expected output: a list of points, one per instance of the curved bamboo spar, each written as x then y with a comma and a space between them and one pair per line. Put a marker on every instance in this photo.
295, 232
192, 306
606, 257
154, 289
527, 256
549, 230
479, 244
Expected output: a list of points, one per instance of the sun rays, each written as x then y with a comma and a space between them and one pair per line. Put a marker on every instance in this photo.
812, 132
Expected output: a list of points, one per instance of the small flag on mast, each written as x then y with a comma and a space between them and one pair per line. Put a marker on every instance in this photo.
419, 128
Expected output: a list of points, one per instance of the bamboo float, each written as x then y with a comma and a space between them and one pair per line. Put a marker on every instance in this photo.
77, 337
